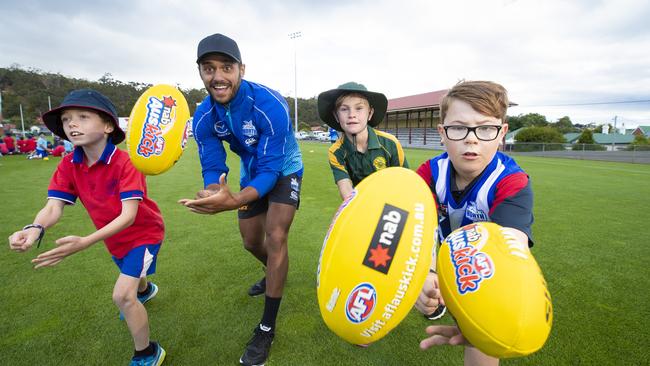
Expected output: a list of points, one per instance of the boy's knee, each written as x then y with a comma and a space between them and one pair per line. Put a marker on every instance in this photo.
122, 297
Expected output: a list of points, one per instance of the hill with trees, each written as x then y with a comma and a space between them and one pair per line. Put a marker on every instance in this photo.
34, 89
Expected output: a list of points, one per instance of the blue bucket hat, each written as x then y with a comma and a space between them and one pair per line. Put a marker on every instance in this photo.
84, 99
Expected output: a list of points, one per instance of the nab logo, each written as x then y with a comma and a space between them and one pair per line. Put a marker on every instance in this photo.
385, 239
361, 302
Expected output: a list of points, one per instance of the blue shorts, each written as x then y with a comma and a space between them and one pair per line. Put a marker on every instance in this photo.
140, 261
41, 153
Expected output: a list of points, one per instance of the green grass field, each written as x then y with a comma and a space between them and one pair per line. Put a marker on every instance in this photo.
591, 242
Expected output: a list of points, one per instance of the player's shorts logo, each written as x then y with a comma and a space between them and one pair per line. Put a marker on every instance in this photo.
294, 184
361, 302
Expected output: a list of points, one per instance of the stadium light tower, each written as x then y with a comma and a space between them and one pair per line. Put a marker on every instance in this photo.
294, 36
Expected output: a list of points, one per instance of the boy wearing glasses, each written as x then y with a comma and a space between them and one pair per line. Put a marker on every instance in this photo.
473, 182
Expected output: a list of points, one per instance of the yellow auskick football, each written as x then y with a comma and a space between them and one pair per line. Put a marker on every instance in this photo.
376, 255
157, 131
495, 289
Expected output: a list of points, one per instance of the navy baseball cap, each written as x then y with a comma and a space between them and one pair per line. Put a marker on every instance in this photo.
218, 43
84, 99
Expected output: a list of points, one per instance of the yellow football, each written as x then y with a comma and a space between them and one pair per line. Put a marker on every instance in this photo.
494, 288
376, 255
157, 131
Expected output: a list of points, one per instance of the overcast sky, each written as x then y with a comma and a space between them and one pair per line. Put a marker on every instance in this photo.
548, 54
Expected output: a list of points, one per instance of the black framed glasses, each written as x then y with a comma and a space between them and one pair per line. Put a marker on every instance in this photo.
483, 133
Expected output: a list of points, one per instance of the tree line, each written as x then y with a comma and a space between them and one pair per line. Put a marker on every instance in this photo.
34, 90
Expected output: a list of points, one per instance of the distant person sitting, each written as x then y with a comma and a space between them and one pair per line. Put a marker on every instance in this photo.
41, 147
10, 143
68, 146
31, 144
59, 150
22, 145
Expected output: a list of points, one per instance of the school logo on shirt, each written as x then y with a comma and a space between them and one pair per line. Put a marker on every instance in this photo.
474, 213
379, 163
112, 187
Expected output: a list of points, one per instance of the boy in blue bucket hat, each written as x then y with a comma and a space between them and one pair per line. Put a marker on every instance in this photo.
115, 195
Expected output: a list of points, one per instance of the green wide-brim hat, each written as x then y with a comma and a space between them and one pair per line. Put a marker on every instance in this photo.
327, 103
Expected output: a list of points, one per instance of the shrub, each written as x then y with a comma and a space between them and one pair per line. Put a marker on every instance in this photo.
540, 134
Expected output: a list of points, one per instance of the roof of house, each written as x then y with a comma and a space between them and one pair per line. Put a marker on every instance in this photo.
572, 136
616, 138
425, 100
644, 129
420, 101
512, 134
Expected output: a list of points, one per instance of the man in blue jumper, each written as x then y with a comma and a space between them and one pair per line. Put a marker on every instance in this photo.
254, 120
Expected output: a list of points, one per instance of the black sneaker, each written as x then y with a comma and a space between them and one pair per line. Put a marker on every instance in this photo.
257, 349
258, 288
438, 313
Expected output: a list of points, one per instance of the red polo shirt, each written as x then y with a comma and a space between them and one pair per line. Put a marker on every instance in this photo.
58, 151
31, 144
101, 188
10, 143
22, 146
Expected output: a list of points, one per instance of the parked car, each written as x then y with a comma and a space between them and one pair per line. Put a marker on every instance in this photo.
302, 135
322, 135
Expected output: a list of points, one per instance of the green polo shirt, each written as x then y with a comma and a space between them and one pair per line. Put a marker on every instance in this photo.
384, 150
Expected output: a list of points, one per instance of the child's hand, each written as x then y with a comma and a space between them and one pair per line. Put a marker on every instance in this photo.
65, 246
429, 298
22, 240
443, 335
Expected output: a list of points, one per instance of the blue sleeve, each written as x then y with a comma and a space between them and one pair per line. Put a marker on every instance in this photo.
211, 152
274, 124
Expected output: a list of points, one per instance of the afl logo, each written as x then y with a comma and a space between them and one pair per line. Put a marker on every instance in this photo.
361, 302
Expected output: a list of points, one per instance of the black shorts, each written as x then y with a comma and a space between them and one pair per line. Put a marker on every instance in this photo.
286, 190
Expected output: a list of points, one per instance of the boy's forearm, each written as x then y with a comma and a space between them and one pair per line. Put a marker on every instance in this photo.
50, 214
345, 187
121, 222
